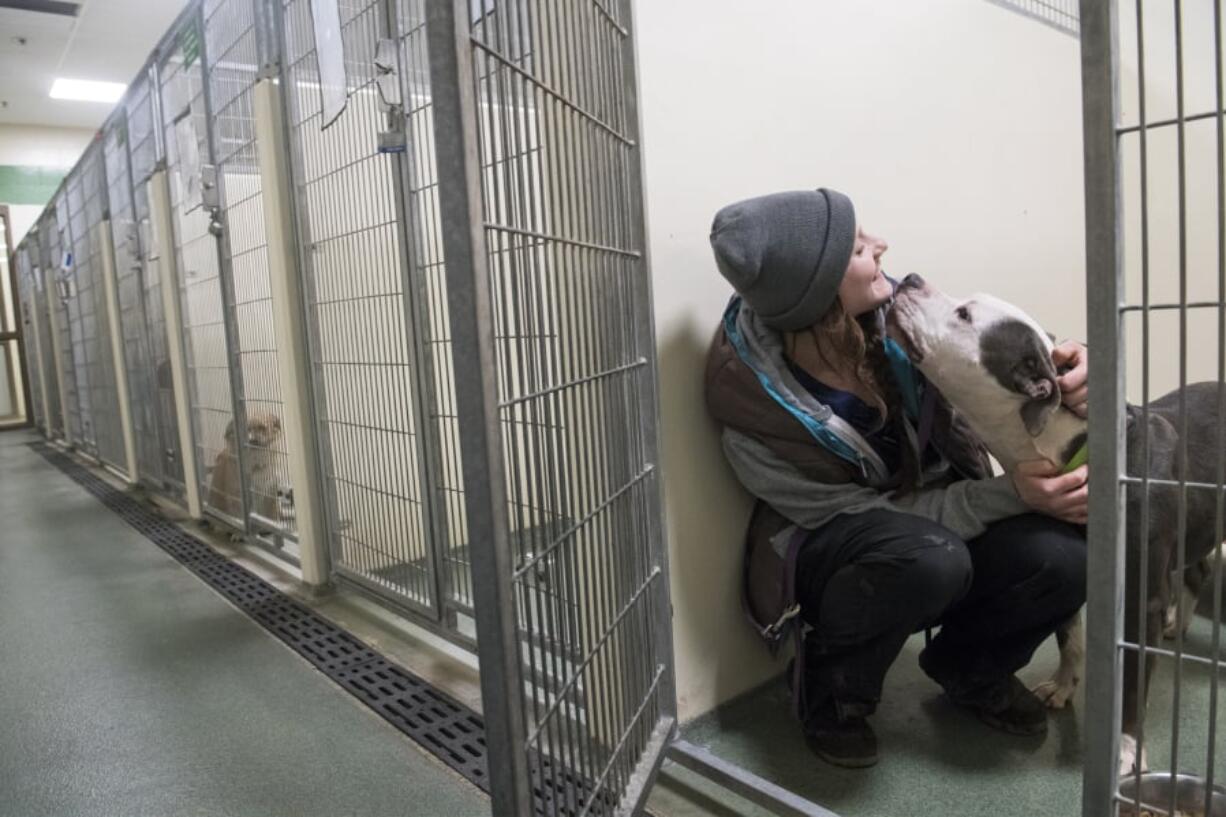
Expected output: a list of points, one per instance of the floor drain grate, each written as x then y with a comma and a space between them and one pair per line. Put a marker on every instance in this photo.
445, 728
438, 723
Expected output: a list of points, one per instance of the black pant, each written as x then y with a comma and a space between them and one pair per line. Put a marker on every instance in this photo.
867, 581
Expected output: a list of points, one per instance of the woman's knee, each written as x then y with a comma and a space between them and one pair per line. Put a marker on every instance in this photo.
1052, 554
925, 568
941, 574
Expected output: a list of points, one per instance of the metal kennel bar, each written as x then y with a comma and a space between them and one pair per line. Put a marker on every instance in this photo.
1104, 604
1156, 215
365, 321
47, 303
536, 131
231, 63
212, 368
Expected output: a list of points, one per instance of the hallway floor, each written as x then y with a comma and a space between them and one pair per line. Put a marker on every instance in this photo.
132, 688
939, 760
129, 687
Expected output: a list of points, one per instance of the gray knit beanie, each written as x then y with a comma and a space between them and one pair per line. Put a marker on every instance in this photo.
786, 253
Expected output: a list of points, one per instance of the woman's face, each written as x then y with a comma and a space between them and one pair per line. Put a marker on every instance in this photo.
864, 288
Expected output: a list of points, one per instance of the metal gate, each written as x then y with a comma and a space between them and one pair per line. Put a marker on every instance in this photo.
80, 304
86, 204
58, 256
551, 311
231, 62
45, 298
1155, 155
395, 505
165, 464
217, 429
131, 302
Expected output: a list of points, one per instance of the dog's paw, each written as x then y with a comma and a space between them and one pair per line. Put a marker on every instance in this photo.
1055, 692
1129, 757
1170, 622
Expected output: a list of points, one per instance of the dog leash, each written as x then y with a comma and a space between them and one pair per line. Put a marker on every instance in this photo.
1079, 458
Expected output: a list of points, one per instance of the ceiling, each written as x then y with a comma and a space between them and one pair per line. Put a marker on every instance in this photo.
108, 40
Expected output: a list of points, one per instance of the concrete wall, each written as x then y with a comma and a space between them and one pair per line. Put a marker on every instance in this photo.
954, 125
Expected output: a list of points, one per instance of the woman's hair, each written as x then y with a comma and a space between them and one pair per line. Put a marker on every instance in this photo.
855, 347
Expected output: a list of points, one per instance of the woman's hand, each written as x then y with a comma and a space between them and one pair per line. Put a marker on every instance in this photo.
1040, 485
1073, 389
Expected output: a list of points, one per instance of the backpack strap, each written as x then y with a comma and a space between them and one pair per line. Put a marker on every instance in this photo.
774, 633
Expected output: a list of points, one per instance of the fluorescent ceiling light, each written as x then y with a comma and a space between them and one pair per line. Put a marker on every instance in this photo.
87, 90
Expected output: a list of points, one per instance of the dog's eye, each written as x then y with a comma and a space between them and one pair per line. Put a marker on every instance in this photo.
964, 314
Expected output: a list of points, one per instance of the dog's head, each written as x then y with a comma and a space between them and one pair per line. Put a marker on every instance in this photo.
977, 351
263, 428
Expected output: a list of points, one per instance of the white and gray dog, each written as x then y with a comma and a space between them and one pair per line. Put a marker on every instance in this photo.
993, 363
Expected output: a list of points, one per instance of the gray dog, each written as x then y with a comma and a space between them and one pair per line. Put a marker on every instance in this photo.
993, 363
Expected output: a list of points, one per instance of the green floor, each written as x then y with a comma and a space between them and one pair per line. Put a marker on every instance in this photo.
937, 760
128, 687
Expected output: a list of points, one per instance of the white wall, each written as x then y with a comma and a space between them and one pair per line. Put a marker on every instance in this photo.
955, 127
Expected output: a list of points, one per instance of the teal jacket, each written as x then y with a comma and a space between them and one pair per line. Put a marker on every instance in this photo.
809, 465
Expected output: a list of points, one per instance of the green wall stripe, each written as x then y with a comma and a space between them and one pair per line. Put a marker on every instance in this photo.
29, 184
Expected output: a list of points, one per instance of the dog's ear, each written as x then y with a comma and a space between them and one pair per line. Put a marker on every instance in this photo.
1035, 376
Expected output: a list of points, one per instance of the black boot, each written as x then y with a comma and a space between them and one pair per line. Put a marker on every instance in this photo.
1003, 703
841, 739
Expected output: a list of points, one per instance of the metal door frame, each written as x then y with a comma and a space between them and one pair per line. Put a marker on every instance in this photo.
26, 308
18, 370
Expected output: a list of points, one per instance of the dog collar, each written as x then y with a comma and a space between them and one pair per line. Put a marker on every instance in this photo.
1079, 458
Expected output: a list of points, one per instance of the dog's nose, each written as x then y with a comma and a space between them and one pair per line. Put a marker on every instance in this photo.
912, 281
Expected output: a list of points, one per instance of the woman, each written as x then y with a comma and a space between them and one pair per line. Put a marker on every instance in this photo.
878, 489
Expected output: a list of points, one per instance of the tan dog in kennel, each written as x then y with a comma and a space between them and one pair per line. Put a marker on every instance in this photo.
225, 481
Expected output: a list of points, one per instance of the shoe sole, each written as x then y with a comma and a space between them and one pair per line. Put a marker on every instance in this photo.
1011, 728
848, 762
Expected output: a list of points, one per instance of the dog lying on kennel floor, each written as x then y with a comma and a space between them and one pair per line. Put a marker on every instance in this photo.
993, 363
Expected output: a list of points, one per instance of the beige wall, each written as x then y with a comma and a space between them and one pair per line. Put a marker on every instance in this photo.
42, 146
35, 146
954, 125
